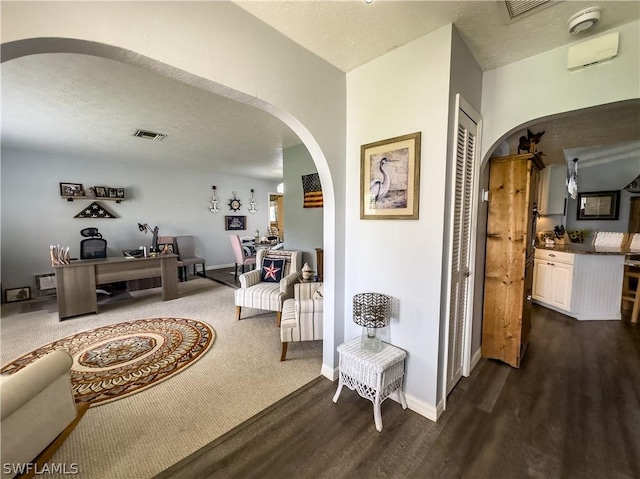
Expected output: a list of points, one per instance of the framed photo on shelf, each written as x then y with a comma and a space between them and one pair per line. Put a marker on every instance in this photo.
45, 285
598, 205
71, 189
390, 178
112, 192
119, 192
101, 191
17, 294
235, 223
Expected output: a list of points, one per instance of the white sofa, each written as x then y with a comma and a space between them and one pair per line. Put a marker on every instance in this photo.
37, 404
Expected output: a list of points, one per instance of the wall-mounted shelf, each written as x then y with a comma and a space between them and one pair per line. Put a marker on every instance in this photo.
93, 198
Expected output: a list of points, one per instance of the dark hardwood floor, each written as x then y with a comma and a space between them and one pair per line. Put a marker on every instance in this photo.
224, 276
571, 411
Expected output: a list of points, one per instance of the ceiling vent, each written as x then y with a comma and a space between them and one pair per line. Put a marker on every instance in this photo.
521, 8
149, 135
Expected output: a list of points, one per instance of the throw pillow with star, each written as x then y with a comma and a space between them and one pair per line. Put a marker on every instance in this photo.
272, 270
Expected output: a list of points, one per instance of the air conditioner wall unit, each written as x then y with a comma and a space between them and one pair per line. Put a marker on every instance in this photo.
592, 51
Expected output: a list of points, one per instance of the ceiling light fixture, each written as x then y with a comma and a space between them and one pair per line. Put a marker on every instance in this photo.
584, 20
368, 1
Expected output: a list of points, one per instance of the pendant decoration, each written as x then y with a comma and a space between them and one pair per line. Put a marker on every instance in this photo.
252, 204
215, 207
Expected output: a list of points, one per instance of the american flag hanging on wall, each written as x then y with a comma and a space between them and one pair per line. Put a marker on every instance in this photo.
312, 191
95, 210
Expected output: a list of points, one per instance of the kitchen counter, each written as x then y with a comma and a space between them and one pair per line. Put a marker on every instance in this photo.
579, 280
580, 248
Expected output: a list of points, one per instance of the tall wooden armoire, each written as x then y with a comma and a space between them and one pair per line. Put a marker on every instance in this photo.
511, 228
634, 214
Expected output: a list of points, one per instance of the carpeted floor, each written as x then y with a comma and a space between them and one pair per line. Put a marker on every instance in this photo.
145, 433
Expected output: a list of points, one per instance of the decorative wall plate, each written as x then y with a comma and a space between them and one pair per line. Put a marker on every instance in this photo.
234, 203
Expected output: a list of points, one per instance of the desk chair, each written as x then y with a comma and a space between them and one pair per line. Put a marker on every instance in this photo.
95, 246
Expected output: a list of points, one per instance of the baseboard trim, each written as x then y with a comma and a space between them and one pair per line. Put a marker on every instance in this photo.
219, 266
329, 372
583, 316
424, 409
475, 359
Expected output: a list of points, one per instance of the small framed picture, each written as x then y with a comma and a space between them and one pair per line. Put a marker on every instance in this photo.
17, 294
45, 285
120, 193
101, 191
71, 189
232, 223
112, 192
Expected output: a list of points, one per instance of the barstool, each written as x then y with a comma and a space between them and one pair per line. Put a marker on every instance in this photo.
629, 294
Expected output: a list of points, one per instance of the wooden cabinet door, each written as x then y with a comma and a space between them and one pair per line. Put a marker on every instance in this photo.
562, 277
542, 272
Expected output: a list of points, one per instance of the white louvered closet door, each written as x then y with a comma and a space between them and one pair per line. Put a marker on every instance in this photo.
459, 307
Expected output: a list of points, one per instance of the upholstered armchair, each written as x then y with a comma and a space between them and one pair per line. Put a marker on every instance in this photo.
38, 410
271, 283
301, 316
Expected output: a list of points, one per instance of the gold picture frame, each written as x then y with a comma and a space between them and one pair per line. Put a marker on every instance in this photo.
390, 178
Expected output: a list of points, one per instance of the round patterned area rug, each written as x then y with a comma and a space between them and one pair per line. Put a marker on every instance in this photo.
115, 361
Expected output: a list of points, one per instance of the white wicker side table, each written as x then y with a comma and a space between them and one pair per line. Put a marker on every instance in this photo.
375, 376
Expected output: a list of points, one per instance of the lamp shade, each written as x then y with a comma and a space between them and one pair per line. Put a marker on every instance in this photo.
371, 310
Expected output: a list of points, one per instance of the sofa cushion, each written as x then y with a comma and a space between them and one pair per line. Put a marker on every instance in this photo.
272, 270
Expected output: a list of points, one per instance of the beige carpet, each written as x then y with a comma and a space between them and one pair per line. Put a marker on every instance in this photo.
143, 434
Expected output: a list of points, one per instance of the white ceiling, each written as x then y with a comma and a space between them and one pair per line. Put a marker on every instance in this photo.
350, 33
90, 106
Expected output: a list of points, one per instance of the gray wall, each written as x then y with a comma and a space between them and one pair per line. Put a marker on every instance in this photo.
302, 226
466, 79
175, 199
611, 176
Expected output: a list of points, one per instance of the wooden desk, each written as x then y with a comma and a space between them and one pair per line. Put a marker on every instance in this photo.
76, 282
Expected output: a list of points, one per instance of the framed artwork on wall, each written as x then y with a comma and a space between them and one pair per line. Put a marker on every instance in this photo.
598, 205
390, 178
235, 223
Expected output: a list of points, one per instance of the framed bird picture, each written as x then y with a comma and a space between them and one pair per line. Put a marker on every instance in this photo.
390, 178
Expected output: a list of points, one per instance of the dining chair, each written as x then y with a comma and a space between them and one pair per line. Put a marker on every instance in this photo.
186, 251
241, 256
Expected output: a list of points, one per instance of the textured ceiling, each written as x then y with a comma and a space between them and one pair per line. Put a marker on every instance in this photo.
90, 106
349, 34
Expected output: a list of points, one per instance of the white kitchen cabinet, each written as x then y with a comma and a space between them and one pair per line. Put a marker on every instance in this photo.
585, 285
553, 279
552, 195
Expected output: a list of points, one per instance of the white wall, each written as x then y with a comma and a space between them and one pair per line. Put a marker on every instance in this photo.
302, 226
402, 92
176, 200
218, 47
541, 86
